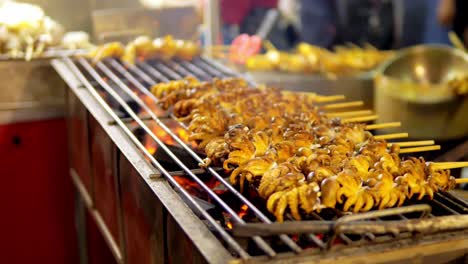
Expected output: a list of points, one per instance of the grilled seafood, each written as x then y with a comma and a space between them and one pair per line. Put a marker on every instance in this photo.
252, 170
304, 196
420, 178
217, 149
26, 31
307, 58
387, 192
298, 159
112, 49
279, 178
144, 47
348, 189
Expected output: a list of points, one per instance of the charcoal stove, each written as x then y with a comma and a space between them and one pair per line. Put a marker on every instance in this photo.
155, 208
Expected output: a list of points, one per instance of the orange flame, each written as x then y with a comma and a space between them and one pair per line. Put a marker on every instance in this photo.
186, 183
151, 148
152, 104
180, 132
243, 211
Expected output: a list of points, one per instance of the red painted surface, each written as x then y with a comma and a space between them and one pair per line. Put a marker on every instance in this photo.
141, 222
36, 196
78, 136
104, 178
98, 251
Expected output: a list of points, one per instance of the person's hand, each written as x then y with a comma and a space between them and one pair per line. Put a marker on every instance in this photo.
446, 12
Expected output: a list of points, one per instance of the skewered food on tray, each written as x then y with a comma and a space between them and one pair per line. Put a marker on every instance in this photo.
349, 60
25, 31
296, 157
145, 47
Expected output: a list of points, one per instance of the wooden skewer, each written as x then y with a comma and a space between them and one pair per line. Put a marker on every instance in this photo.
299, 92
312, 95
360, 119
461, 180
420, 149
449, 165
350, 113
343, 105
392, 136
413, 143
319, 98
328, 99
383, 125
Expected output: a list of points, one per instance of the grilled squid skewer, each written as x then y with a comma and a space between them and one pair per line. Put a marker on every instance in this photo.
299, 159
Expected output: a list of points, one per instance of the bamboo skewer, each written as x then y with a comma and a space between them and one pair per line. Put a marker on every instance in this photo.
343, 105
461, 180
413, 143
392, 136
349, 113
449, 165
420, 149
319, 98
383, 125
360, 119
285, 92
328, 99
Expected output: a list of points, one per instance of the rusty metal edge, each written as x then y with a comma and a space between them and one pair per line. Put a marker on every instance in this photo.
402, 251
208, 245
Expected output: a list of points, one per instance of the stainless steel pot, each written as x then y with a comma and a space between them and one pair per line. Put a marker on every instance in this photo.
411, 88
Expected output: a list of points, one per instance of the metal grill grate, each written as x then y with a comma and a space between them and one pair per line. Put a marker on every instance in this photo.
121, 88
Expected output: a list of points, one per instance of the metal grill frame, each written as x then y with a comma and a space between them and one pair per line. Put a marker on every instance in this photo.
152, 73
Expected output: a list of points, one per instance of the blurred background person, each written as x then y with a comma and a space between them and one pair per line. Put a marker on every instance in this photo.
243, 16
434, 32
384, 24
246, 16
318, 22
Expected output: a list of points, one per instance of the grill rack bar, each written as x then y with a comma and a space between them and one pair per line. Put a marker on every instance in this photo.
232, 243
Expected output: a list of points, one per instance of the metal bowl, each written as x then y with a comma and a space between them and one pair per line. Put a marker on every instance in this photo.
411, 88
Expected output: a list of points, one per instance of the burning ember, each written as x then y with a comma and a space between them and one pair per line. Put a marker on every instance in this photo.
241, 213
194, 189
150, 102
